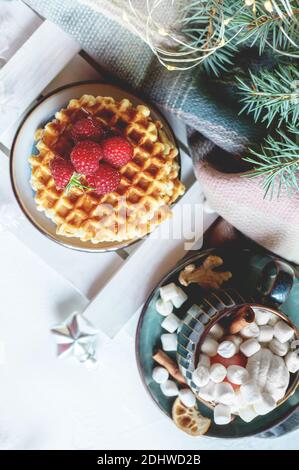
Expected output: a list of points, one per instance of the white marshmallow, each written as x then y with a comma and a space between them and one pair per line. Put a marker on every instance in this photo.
247, 413
292, 361
266, 334
168, 292
169, 342
250, 392
217, 373
273, 319
180, 298
237, 375
250, 331
216, 331
278, 378
224, 393
170, 323
207, 392
259, 366
277, 393
164, 307
239, 402
201, 376
265, 404
209, 346
169, 388
278, 348
227, 349
187, 397
236, 339
250, 347
282, 331
204, 360
262, 316
222, 414
160, 375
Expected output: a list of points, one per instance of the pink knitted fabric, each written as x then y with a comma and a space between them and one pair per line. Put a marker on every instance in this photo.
273, 224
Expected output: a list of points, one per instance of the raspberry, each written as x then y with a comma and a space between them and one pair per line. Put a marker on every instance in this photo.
85, 157
117, 151
87, 128
105, 180
62, 171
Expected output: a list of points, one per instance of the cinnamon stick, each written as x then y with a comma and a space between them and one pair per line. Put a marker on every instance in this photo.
243, 317
165, 361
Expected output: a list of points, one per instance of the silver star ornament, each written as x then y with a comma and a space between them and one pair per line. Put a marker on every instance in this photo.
76, 337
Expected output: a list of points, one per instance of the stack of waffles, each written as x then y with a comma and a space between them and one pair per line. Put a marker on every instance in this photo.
149, 182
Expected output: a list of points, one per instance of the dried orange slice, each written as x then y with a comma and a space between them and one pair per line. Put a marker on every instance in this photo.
189, 420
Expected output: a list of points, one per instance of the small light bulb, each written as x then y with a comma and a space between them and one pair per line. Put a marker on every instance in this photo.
268, 6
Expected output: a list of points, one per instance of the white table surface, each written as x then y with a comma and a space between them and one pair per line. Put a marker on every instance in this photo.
47, 403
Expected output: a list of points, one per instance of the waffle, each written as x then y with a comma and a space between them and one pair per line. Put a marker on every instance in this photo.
149, 182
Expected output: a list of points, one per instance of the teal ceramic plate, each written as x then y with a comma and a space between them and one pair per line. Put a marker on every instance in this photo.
245, 265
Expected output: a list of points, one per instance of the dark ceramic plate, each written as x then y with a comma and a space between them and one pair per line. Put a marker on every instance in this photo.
245, 265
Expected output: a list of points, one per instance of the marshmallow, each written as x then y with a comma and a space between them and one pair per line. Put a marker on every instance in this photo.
250, 392
170, 323
236, 339
216, 331
278, 348
247, 413
266, 334
224, 393
265, 404
237, 375
204, 360
169, 388
168, 292
201, 376
180, 298
282, 331
187, 397
227, 349
273, 319
209, 346
250, 347
160, 375
217, 373
277, 379
292, 361
250, 331
222, 414
262, 316
238, 403
164, 307
169, 342
207, 392
259, 366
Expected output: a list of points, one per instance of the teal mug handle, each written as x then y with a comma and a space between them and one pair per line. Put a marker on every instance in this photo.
276, 282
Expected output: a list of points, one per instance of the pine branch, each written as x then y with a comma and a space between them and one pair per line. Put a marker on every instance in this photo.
270, 23
205, 27
272, 95
278, 162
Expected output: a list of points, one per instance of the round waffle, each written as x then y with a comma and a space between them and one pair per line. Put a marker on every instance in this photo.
149, 182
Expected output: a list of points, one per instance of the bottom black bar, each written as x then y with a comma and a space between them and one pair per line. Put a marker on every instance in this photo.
131, 459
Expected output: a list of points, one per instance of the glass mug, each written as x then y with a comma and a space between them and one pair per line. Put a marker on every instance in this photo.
275, 284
